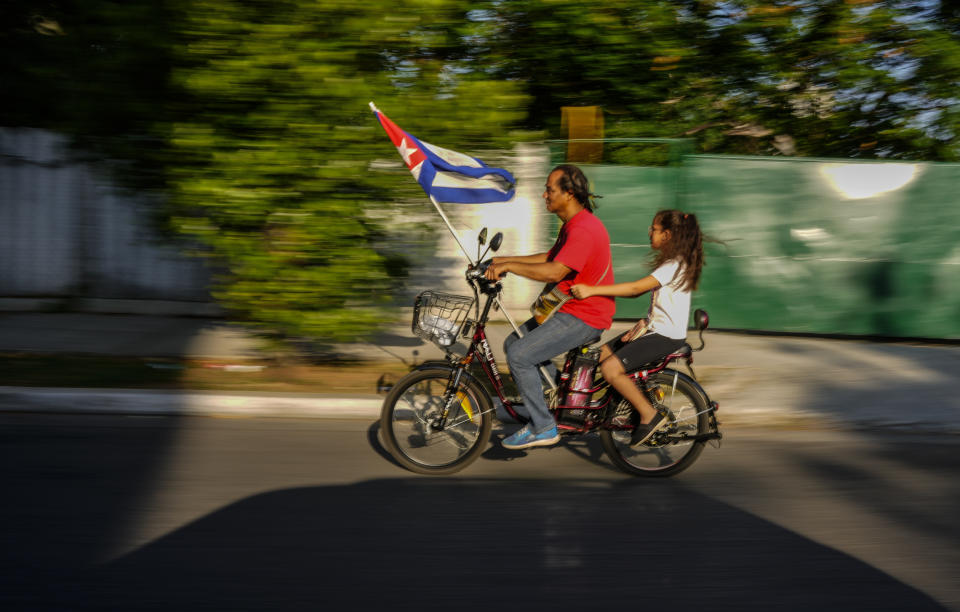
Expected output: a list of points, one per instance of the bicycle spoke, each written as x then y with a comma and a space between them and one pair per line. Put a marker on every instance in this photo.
417, 406
669, 450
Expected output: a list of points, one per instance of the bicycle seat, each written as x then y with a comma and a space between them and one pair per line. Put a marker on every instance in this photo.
683, 351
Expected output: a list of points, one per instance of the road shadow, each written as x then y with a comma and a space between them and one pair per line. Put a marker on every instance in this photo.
373, 438
72, 487
584, 446
474, 544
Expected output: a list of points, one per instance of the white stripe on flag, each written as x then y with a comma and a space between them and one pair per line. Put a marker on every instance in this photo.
452, 157
453, 179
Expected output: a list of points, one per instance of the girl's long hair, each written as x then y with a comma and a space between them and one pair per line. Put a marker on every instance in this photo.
685, 244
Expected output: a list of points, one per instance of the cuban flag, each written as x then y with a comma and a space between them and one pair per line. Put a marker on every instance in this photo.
448, 176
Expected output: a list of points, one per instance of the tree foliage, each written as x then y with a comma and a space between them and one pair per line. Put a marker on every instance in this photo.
845, 78
94, 69
275, 154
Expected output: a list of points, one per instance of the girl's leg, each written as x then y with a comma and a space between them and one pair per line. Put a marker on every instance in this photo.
613, 373
616, 356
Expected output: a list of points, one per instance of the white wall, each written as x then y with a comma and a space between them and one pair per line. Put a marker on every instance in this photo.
66, 232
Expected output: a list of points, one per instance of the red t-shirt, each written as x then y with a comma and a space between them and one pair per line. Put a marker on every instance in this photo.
583, 245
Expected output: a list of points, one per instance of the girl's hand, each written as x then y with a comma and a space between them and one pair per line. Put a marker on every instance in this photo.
636, 331
581, 291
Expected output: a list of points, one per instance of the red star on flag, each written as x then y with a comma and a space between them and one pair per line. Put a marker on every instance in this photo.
412, 156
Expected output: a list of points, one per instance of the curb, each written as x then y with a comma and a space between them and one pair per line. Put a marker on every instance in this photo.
179, 403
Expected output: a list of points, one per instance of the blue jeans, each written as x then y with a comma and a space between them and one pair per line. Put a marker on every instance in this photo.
540, 344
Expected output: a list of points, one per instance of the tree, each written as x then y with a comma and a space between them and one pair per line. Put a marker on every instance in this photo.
845, 78
274, 144
94, 69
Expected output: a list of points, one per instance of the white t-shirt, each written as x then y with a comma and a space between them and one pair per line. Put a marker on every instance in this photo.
669, 305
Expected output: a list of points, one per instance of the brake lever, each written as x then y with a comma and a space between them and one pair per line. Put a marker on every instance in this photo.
479, 270
479, 273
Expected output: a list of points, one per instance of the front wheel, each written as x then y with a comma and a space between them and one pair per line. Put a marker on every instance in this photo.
415, 432
673, 448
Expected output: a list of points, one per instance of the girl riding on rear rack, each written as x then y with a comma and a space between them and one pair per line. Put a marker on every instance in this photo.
677, 260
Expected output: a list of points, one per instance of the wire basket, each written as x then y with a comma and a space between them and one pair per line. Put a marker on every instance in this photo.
439, 317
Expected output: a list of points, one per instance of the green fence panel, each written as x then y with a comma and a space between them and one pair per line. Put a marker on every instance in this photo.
828, 246
823, 246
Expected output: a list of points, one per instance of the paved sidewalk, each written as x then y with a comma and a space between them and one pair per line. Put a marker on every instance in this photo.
758, 380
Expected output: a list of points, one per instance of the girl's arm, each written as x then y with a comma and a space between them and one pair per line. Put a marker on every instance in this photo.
631, 289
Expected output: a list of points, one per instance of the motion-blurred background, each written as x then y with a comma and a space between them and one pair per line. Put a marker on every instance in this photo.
217, 157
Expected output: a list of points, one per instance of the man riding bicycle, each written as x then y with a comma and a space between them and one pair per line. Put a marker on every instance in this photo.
581, 254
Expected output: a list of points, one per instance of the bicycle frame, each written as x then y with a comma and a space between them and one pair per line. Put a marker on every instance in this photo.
480, 351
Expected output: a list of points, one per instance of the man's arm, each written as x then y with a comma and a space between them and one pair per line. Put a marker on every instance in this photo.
534, 267
537, 258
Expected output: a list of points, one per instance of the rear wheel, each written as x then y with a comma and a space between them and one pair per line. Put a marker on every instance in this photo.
675, 447
410, 422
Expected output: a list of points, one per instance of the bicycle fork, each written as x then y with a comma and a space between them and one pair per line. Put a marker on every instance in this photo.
450, 399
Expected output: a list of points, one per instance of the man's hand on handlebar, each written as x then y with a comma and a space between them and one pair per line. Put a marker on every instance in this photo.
481, 271
495, 271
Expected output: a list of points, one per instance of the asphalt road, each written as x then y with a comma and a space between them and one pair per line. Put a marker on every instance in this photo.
167, 513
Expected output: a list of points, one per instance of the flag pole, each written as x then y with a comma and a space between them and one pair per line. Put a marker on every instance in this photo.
450, 227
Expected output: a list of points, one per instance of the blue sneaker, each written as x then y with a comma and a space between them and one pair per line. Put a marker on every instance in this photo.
525, 438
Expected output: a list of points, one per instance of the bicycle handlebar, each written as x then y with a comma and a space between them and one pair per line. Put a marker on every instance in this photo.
477, 274
478, 271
